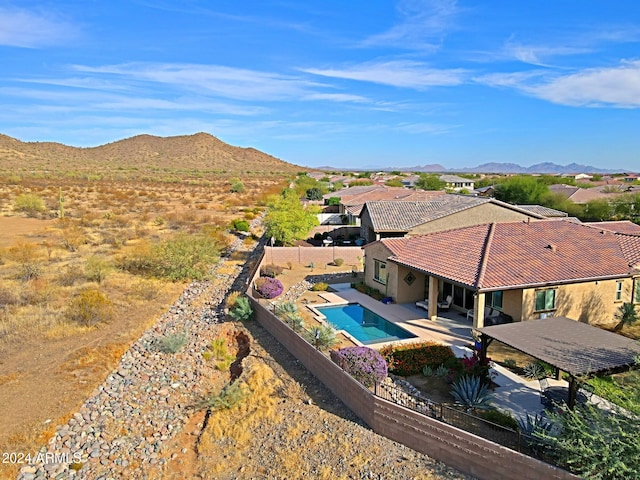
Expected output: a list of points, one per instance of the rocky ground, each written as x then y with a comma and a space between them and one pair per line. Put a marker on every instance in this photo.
141, 422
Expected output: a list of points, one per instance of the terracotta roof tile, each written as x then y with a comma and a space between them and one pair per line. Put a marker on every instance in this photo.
519, 254
620, 226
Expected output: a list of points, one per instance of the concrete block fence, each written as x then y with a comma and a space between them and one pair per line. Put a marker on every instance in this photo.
316, 255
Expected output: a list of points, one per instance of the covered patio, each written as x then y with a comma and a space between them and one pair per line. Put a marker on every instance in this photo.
578, 349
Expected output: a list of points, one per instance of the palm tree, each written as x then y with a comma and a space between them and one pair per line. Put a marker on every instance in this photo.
626, 315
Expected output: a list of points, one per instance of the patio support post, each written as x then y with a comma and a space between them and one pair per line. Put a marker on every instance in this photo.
478, 310
433, 298
573, 392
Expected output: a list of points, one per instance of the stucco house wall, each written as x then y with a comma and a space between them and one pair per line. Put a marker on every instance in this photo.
589, 302
379, 252
485, 213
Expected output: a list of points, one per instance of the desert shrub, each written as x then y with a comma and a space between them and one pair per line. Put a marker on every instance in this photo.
237, 187
510, 363
229, 397
90, 307
185, 257
269, 287
503, 419
232, 299
320, 287
29, 203
367, 290
97, 268
364, 364
271, 270
242, 310
218, 351
338, 262
322, 337
8, 297
240, 225
30, 271
410, 359
173, 342
144, 289
475, 366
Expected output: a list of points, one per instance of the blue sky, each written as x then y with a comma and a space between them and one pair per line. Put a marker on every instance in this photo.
353, 84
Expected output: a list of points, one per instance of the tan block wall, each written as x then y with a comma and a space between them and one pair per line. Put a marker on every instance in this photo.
485, 213
318, 255
410, 293
459, 449
588, 302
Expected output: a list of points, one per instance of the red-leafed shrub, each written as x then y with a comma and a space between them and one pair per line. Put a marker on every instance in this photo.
411, 358
269, 287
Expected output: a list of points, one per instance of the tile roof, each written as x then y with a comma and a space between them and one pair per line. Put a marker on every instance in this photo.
518, 254
402, 216
389, 216
620, 226
572, 346
543, 211
355, 203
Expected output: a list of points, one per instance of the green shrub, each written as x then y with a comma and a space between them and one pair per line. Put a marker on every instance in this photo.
410, 359
173, 342
229, 397
185, 257
218, 351
320, 287
90, 307
503, 419
30, 204
97, 268
242, 310
240, 225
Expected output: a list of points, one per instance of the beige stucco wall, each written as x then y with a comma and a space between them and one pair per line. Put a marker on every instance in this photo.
588, 302
485, 213
377, 251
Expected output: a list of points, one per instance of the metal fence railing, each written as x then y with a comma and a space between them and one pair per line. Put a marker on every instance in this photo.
451, 415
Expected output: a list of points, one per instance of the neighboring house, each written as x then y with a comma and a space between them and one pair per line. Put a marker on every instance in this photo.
631, 178
457, 183
584, 195
353, 199
387, 219
409, 181
618, 226
486, 191
580, 176
526, 270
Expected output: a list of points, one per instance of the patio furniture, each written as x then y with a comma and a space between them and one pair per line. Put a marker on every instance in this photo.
446, 304
488, 313
423, 304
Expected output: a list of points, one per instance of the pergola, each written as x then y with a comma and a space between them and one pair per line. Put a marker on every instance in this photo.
579, 349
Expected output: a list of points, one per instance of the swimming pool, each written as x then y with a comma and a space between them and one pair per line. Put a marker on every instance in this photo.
364, 325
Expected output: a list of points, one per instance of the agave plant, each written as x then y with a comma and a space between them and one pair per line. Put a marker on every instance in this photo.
471, 393
534, 370
535, 430
427, 371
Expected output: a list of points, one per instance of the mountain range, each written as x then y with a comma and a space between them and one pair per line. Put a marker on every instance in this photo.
201, 151
495, 167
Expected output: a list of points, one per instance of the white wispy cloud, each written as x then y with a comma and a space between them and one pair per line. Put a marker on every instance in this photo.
421, 25
397, 73
595, 87
617, 87
34, 29
426, 128
222, 81
540, 55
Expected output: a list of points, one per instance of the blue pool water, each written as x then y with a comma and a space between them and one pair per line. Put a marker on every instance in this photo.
364, 325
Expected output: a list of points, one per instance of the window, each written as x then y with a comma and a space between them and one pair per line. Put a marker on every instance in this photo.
618, 291
545, 300
380, 271
494, 300
636, 290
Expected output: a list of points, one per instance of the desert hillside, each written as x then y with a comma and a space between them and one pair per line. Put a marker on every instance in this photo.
201, 151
